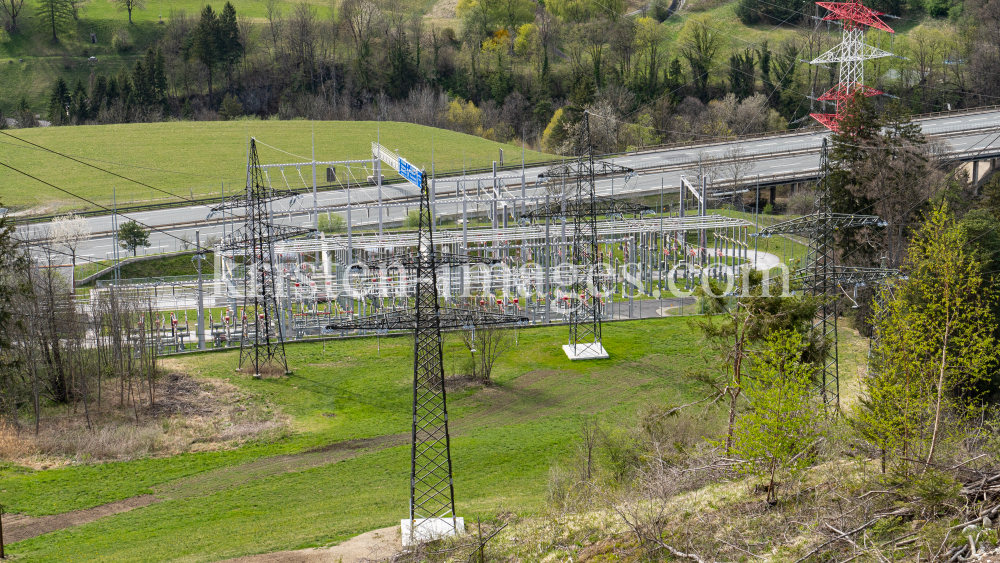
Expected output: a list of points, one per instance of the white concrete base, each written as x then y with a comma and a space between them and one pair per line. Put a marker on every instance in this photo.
429, 529
589, 352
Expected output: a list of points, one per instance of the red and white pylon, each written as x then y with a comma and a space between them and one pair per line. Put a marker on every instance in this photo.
851, 53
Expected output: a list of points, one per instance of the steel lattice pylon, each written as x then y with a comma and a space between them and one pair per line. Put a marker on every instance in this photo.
262, 339
820, 276
432, 493
583, 207
851, 53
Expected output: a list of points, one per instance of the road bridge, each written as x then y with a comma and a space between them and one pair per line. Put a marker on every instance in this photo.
783, 158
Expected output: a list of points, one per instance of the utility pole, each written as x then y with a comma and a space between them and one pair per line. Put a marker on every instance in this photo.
201, 294
315, 199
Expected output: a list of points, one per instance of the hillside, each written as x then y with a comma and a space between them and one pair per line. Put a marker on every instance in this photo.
710, 69
340, 468
195, 159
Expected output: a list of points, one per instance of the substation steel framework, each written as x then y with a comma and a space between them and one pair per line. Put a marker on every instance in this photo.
820, 276
432, 491
584, 207
851, 54
262, 338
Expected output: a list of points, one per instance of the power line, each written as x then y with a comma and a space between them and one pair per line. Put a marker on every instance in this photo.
67, 192
150, 168
96, 168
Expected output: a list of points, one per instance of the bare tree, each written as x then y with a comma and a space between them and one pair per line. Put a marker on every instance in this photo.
274, 23
11, 9
248, 36
362, 18
129, 5
736, 163
486, 344
69, 231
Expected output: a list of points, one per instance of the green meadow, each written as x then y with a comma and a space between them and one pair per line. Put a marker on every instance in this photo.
343, 467
186, 159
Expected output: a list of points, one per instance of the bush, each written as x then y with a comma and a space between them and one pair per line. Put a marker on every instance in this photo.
748, 11
121, 41
938, 8
802, 203
768, 209
231, 108
330, 223
412, 219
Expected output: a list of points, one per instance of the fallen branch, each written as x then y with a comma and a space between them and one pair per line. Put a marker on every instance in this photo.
842, 534
826, 543
678, 553
875, 493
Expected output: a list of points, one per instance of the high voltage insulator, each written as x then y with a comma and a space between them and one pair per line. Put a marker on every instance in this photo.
851, 53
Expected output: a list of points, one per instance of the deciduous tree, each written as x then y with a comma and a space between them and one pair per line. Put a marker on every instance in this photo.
775, 434
131, 236
128, 6
935, 343
11, 9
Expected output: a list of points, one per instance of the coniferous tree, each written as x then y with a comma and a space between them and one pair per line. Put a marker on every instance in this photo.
55, 14
58, 101
674, 80
114, 91
205, 43
79, 108
229, 47
741, 74
98, 94
160, 79
126, 92
25, 117
140, 81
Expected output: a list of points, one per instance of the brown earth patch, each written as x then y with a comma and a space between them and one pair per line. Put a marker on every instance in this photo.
186, 415
18, 527
376, 545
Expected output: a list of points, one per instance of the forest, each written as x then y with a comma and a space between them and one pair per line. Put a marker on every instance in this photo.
520, 71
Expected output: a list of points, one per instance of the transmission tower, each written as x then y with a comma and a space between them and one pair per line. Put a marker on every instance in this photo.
820, 276
583, 207
262, 340
432, 493
851, 53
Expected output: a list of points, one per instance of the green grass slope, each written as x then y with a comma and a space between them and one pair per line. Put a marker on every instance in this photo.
194, 159
218, 505
309, 490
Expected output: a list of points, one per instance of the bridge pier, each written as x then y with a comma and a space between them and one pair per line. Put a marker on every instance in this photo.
977, 173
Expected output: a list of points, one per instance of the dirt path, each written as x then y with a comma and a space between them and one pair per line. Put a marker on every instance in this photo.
376, 545
226, 478
19, 528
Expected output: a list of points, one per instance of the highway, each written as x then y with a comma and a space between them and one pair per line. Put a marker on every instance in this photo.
777, 158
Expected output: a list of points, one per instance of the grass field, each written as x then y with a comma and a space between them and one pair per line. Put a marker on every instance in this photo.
192, 159
44, 61
225, 504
